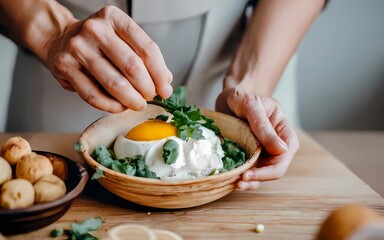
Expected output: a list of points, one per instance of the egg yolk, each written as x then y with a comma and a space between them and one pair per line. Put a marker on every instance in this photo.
151, 130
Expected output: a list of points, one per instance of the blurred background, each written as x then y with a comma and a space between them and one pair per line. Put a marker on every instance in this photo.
340, 84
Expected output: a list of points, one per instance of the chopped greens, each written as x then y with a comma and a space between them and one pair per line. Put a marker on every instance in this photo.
187, 119
133, 166
97, 174
234, 155
170, 151
80, 231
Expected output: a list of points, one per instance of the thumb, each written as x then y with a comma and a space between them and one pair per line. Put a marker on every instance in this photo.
263, 129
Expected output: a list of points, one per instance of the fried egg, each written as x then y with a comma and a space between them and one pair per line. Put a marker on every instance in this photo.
196, 158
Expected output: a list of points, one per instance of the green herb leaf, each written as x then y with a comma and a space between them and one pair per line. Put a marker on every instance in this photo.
186, 119
57, 232
162, 117
81, 230
97, 174
170, 151
103, 156
234, 155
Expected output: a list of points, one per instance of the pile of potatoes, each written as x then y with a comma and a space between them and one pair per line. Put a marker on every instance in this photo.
26, 178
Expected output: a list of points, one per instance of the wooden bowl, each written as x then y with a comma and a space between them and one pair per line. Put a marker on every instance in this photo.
165, 193
75, 176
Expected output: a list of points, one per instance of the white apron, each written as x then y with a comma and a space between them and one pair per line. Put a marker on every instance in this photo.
197, 38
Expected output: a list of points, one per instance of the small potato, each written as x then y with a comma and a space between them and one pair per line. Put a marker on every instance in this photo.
17, 193
49, 188
5, 170
33, 166
15, 148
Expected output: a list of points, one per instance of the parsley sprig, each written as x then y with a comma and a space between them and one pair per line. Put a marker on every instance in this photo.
133, 166
187, 119
81, 230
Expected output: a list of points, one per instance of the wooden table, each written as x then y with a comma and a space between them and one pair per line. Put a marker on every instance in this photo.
290, 208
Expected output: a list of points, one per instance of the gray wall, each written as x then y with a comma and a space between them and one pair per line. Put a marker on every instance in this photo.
341, 68
7, 59
340, 75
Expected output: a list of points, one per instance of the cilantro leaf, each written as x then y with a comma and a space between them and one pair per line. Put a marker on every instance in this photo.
170, 151
162, 117
234, 155
81, 230
187, 119
132, 166
104, 156
97, 174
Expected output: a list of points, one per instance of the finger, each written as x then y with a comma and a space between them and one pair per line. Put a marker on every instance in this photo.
144, 46
251, 185
275, 168
66, 84
262, 126
91, 94
107, 75
122, 56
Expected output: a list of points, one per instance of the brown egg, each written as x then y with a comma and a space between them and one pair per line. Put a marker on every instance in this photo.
351, 222
49, 188
17, 193
5, 171
15, 148
33, 166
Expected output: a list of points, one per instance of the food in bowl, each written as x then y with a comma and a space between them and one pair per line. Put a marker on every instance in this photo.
166, 194
183, 144
20, 220
33, 180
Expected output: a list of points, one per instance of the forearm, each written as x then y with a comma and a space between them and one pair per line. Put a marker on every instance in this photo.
271, 38
33, 23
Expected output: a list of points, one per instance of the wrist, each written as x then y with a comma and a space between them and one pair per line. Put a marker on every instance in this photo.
48, 25
33, 24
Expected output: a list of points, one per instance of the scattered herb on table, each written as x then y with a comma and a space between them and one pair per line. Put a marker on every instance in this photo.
80, 231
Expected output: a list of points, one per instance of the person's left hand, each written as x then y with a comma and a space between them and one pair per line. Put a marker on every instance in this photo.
267, 121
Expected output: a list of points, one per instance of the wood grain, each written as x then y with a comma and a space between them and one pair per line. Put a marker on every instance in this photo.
290, 208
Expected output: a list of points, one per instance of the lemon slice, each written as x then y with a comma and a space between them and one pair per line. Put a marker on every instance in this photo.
131, 232
162, 234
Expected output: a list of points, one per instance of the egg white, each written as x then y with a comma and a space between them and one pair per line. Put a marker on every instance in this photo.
196, 158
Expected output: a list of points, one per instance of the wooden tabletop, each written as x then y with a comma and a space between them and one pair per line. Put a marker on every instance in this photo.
290, 208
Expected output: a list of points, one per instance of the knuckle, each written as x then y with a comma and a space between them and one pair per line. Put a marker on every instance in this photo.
60, 65
107, 11
150, 50
90, 26
115, 84
89, 97
74, 45
132, 65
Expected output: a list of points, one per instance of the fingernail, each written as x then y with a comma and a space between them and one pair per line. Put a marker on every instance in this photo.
167, 91
248, 175
242, 185
283, 145
255, 185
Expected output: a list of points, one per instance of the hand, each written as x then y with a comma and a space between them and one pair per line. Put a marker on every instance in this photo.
109, 61
279, 140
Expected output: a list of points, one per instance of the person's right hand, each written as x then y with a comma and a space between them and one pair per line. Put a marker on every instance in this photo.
109, 61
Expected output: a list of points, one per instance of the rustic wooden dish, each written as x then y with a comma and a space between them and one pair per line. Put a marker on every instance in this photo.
75, 176
162, 193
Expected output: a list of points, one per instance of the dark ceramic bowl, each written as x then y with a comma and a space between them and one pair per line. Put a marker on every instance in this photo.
75, 176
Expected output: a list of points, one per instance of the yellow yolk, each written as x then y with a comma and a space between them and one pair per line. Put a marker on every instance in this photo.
151, 130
